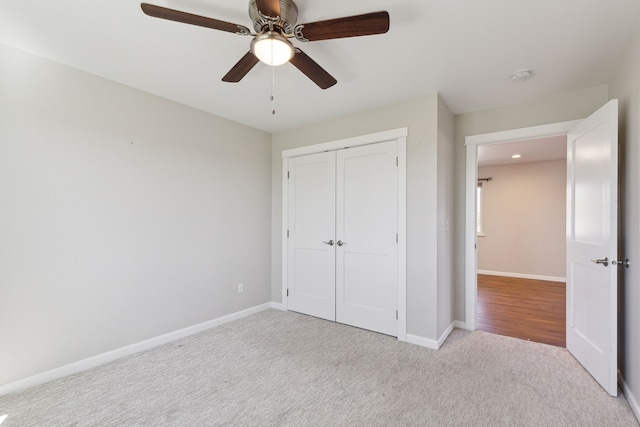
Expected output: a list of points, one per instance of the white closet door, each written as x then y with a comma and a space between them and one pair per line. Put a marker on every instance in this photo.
311, 248
366, 227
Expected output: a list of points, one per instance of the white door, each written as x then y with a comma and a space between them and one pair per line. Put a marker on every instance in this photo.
592, 213
311, 248
366, 233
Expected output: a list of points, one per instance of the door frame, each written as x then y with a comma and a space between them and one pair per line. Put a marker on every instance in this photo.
472, 143
400, 136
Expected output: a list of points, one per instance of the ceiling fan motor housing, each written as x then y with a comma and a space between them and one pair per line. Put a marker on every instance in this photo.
286, 21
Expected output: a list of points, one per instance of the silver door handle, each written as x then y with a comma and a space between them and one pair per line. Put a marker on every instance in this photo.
340, 243
330, 243
604, 261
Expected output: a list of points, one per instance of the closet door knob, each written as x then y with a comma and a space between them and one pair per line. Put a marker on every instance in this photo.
330, 243
340, 243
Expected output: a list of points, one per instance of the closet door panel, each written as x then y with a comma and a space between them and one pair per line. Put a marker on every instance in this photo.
311, 216
366, 227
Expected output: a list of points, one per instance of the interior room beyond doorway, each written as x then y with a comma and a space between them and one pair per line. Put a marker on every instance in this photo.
521, 216
532, 310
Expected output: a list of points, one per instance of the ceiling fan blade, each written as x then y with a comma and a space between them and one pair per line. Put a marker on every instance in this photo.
270, 8
351, 26
189, 18
241, 69
311, 69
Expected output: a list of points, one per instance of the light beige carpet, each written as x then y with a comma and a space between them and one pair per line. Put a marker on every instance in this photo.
277, 368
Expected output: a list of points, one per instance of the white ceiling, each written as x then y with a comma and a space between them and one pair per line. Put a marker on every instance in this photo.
465, 50
532, 150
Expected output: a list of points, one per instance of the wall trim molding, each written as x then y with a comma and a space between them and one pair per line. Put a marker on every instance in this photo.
523, 276
433, 344
278, 306
631, 399
459, 324
422, 341
445, 335
522, 134
100, 359
373, 138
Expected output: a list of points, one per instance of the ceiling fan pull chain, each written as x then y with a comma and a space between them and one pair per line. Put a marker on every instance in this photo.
273, 90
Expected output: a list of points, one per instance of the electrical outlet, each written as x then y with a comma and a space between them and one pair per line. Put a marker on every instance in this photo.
240, 287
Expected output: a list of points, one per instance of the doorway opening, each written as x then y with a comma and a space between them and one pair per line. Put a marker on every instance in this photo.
512, 292
521, 245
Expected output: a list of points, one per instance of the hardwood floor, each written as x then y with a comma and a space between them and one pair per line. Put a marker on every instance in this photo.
522, 308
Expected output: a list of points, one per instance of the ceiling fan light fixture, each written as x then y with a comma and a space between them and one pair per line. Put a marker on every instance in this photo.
272, 48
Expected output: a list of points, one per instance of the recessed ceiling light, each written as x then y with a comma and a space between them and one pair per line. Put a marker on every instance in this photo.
522, 75
516, 156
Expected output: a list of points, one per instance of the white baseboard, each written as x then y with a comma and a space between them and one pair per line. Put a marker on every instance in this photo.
100, 359
422, 341
278, 306
445, 335
523, 276
459, 324
429, 343
631, 399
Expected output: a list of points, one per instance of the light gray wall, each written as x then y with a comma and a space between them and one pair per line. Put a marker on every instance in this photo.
445, 216
557, 108
421, 117
123, 216
626, 87
524, 219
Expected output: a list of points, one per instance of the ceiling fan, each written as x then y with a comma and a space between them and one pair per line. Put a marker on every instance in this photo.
275, 22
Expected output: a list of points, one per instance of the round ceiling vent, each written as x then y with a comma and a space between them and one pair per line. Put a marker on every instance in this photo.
520, 76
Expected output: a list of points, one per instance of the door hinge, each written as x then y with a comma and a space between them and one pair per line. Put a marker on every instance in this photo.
287, 292
287, 234
287, 174
396, 314
396, 237
396, 160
